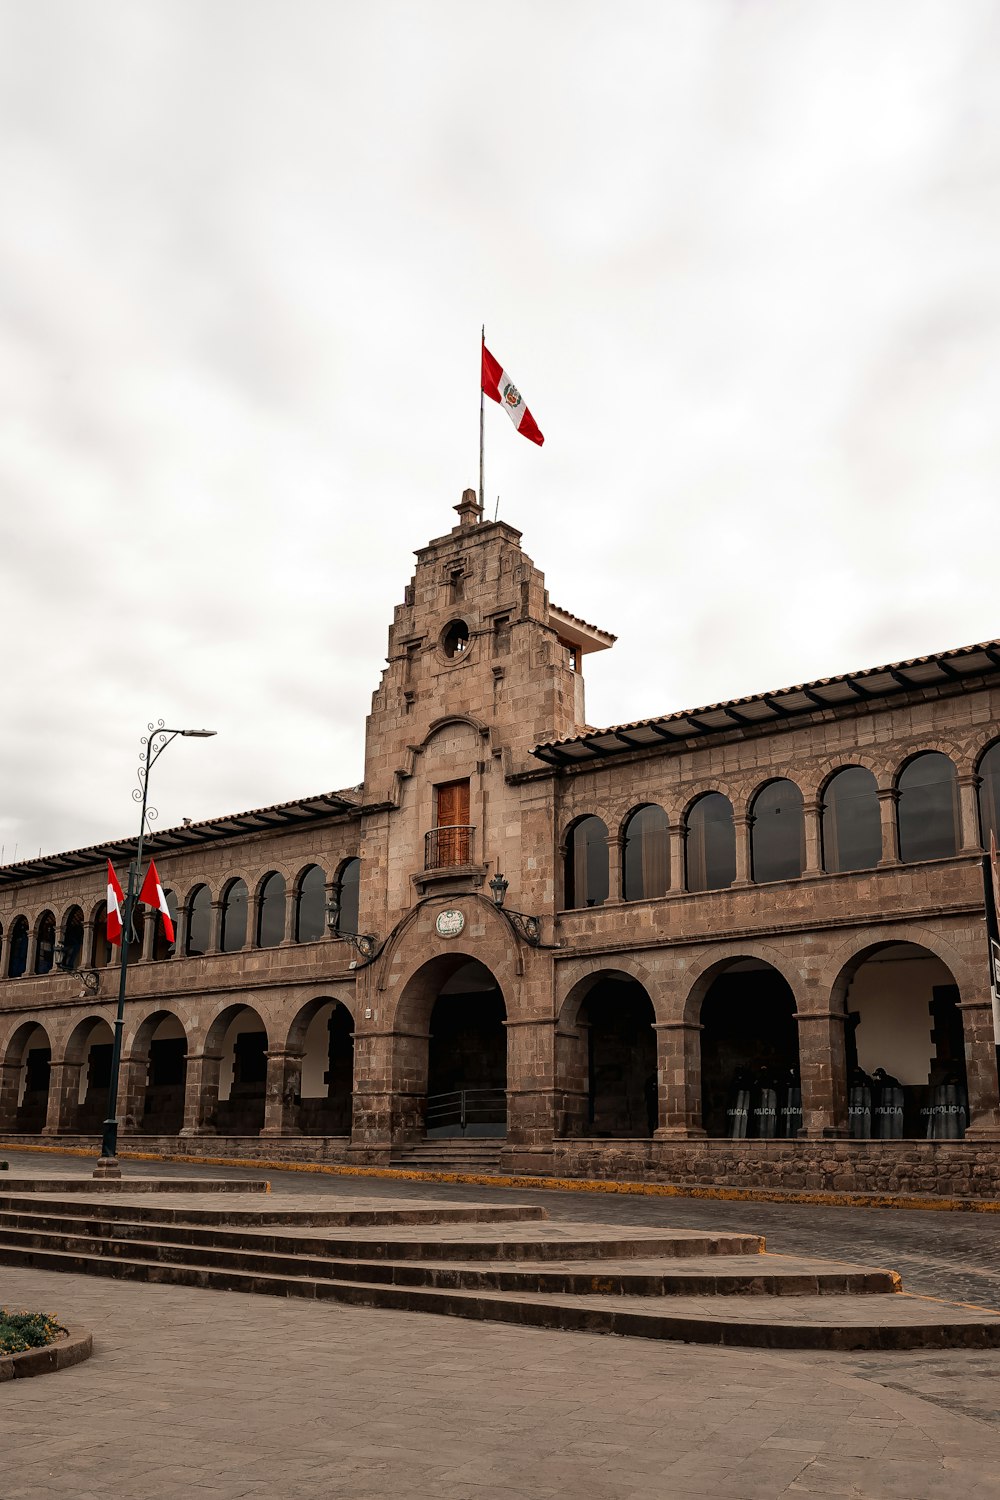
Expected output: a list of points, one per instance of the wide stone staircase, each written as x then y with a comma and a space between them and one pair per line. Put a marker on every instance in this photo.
478, 1154
496, 1262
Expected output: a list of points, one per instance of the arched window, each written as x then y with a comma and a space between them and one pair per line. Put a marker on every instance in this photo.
234, 917
72, 939
777, 832
46, 945
161, 948
928, 808
17, 948
989, 795
348, 892
646, 854
271, 912
310, 908
852, 826
199, 935
104, 952
586, 869
711, 844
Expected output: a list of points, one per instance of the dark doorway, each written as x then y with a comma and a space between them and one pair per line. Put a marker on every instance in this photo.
617, 1019
750, 1055
467, 1057
327, 1082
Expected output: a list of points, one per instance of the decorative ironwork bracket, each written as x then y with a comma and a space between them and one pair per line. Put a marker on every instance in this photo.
528, 928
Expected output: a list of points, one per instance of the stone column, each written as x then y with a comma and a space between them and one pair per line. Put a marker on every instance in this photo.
981, 1067
32, 955
150, 920
133, 1074
678, 1076
968, 814
291, 903
741, 826
678, 835
217, 910
282, 1093
822, 1070
614, 867
64, 1095
372, 1109
10, 1087
531, 1093
181, 925
888, 798
812, 813
87, 946
201, 1092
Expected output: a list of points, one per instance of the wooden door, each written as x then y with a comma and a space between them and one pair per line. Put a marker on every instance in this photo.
452, 823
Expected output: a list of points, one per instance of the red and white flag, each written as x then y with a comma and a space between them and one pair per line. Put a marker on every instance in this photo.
498, 385
116, 901
152, 895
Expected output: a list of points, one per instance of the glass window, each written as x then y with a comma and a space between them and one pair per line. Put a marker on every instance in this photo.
17, 948
271, 912
310, 909
852, 826
348, 892
586, 871
646, 854
72, 939
928, 808
777, 832
711, 844
234, 917
104, 952
45, 949
989, 795
199, 936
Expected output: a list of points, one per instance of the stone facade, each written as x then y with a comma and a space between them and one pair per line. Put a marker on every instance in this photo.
606, 1016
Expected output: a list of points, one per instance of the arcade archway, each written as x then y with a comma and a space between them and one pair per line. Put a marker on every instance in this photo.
750, 1054
606, 1059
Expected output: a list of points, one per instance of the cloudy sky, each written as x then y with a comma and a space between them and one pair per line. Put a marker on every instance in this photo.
741, 257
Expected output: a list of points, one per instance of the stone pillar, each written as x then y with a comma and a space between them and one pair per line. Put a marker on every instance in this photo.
32, 955
531, 1093
678, 1076
372, 1110
201, 1092
823, 1071
149, 924
572, 1104
614, 867
10, 1087
741, 826
888, 798
678, 835
282, 1094
64, 1096
981, 1066
968, 814
217, 910
133, 1075
291, 904
181, 925
812, 813
87, 946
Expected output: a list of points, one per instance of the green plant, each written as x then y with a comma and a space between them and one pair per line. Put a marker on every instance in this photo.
26, 1330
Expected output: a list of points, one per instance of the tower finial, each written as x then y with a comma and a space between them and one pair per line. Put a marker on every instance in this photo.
469, 509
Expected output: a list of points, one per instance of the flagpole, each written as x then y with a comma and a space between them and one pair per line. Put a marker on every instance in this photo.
481, 423
154, 745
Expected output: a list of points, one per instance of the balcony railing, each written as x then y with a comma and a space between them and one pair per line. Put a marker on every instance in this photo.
445, 847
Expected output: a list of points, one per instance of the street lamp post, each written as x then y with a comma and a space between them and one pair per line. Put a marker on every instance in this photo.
154, 743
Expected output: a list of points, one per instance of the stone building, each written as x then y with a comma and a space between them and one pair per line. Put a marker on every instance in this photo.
739, 944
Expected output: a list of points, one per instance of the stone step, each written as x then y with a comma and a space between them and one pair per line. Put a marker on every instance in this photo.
539, 1241
894, 1321
763, 1276
306, 1214
101, 1185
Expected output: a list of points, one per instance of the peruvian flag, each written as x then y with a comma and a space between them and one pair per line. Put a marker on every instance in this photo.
152, 895
116, 900
498, 385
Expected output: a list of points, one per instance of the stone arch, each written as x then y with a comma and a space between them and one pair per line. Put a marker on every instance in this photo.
585, 862
85, 1076
579, 976
155, 1074
319, 1047
905, 1039
450, 1044
705, 968
236, 1047
710, 784
24, 1078
745, 1008
606, 1056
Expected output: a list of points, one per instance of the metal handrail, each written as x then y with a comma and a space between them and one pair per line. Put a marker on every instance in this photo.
448, 846
465, 1107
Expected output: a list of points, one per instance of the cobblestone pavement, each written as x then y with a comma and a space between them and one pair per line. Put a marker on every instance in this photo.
198, 1393
226, 1395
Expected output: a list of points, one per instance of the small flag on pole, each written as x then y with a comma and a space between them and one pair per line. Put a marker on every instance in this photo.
498, 385
152, 895
116, 898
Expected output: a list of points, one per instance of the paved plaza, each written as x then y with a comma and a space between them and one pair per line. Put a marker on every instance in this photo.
194, 1392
